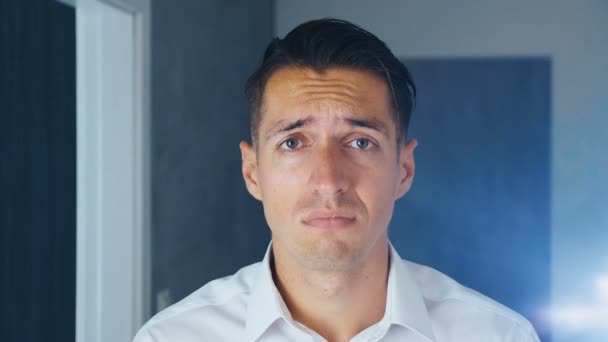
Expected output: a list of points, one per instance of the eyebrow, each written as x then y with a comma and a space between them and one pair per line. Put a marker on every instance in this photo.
286, 126
283, 126
374, 124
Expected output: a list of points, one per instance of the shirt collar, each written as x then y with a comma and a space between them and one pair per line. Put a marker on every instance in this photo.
404, 302
265, 304
404, 307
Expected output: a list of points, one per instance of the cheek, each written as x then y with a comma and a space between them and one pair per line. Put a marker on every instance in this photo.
280, 178
281, 186
287, 172
377, 191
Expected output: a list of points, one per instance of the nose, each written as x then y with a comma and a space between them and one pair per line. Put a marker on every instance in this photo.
329, 173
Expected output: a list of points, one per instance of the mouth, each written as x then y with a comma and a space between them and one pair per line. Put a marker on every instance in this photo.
329, 219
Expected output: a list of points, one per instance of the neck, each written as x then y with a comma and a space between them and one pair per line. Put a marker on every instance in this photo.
335, 304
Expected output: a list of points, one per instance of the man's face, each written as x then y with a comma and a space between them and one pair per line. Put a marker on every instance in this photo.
327, 167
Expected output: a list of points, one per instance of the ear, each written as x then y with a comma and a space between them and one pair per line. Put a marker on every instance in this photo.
250, 169
407, 168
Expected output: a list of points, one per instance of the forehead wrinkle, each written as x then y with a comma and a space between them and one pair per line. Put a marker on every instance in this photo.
344, 92
306, 92
327, 82
306, 87
351, 101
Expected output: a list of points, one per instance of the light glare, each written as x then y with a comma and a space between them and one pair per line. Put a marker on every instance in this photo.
591, 317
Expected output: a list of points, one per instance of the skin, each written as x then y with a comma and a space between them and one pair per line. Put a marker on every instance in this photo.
327, 168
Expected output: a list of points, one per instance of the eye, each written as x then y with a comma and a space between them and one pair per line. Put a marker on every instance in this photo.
290, 144
361, 144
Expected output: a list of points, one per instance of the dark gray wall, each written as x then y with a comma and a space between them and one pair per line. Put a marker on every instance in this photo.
204, 223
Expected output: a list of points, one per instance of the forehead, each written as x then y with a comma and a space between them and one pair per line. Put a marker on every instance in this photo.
293, 91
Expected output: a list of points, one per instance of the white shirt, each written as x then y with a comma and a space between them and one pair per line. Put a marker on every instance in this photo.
422, 305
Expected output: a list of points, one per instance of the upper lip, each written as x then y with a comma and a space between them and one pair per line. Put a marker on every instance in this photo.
328, 214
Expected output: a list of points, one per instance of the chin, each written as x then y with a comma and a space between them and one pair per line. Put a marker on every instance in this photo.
330, 255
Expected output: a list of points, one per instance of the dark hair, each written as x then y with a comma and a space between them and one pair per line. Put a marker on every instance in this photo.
326, 43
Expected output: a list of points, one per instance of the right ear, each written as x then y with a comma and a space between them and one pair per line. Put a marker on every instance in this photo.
250, 169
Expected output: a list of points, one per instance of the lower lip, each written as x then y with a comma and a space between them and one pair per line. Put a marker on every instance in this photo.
330, 223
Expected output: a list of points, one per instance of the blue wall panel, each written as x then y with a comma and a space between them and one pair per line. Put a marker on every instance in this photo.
479, 208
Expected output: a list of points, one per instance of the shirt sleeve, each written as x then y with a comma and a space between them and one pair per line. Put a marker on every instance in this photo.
143, 336
522, 333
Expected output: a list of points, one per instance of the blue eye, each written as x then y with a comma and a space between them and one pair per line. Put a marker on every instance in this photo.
361, 144
290, 144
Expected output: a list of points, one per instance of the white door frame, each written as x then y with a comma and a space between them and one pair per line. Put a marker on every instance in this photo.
113, 173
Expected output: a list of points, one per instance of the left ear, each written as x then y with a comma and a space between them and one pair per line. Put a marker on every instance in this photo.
407, 168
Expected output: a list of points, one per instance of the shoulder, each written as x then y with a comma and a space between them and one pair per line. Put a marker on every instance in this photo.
219, 303
457, 309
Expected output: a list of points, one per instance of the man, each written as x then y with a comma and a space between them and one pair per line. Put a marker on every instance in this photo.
330, 106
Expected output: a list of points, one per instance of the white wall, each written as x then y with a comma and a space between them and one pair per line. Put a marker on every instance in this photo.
575, 35
112, 278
